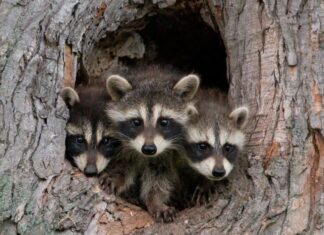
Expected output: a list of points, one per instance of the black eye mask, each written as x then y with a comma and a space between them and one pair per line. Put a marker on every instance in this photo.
131, 128
230, 151
170, 129
198, 152
109, 147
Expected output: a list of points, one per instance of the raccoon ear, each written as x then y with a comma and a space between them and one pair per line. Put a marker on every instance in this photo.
192, 111
240, 116
187, 86
70, 96
117, 87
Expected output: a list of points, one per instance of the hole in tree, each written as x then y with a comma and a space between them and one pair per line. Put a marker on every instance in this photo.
189, 44
180, 38
170, 37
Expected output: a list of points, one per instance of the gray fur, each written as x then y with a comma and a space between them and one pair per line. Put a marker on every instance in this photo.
240, 116
70, 96
187, 87
216, 117
152, 85
117, 86
157, 175
87, 122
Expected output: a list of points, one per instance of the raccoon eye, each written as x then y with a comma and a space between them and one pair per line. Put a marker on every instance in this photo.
105, 140
79, 139
228, 148
136, 122
164, 122
202, 146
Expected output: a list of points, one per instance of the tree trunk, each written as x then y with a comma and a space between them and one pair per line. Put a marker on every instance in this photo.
274, 65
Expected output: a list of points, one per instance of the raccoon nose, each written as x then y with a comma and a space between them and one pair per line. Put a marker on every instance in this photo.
149, 149
90, 170
218, 172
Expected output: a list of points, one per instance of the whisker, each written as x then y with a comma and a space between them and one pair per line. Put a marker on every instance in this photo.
124, 136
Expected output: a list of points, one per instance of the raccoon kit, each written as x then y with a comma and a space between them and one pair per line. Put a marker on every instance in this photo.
150, 110
160, 138
215, 138
89, 142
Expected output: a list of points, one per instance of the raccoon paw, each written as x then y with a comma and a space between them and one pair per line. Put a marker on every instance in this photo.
111, 188
107, 184
202, 195
166, 215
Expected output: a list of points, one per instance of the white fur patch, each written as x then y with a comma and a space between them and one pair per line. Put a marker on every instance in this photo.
84, 130
178, 116
210, 137
143, 114
196, 136
101, 162
156, 113
235, 137
120, 116
99, 132
161, 144
160, 111
108, 132
227, 166
81, 161
205, 167
138, 143
87, 130
73, 129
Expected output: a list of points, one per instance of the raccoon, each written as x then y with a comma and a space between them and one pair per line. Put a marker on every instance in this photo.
150, 110
90, 144
121, 177
215, 138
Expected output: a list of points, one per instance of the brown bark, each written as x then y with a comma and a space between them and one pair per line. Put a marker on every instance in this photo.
274, 64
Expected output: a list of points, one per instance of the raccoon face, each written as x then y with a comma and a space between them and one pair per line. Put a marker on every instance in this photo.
90, 147
150, 117
212, 150
89, 144
151, 134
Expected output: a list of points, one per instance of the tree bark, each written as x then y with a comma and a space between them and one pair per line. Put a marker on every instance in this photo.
274, 65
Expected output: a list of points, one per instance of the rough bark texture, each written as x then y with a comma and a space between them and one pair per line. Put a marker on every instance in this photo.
274, 64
